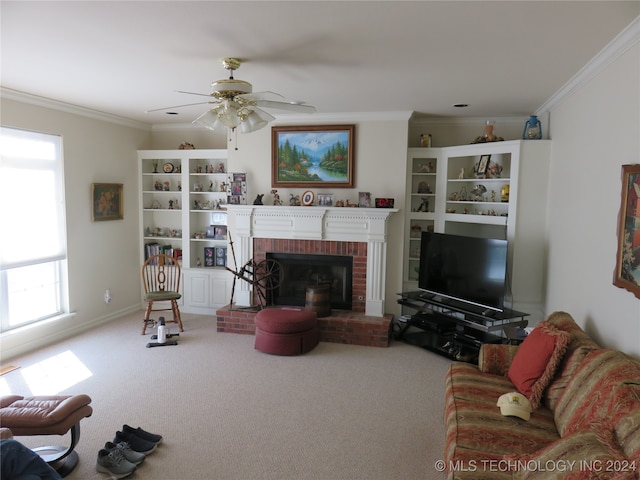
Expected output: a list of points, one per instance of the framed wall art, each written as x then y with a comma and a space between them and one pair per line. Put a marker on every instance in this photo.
313, 156
627, 273
106, 201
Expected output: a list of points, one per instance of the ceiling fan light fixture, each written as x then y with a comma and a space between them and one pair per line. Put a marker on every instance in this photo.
210, 120
252, 121
230, 115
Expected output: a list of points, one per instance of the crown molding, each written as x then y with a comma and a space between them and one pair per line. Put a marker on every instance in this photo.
397, 116
625, 40
310, 119
44, 102
463, 121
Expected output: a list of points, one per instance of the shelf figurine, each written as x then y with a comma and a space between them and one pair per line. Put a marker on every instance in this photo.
276, 198
424, 206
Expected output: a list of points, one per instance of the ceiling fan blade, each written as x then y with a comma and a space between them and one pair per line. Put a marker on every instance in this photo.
177, 106
255, 96
294, 107
266, 116
194, 93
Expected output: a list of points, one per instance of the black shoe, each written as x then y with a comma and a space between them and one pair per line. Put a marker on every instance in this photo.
143, 434
136, 443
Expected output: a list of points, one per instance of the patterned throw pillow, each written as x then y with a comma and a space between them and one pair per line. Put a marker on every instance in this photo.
537, 360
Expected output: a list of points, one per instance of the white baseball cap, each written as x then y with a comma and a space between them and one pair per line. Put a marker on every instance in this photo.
515, 404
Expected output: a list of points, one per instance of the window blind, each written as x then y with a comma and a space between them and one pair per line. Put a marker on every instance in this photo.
32, 216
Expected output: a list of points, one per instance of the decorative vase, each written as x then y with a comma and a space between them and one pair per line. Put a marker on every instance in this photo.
488, 131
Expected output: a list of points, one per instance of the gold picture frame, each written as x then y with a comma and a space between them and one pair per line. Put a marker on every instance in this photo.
627, 273
317, 156
106, 202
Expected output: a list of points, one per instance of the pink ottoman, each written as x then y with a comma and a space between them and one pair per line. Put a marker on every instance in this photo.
286, 331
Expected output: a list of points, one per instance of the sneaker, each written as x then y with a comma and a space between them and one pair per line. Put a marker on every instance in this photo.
143, 434
114, 464
129, 455
136, 443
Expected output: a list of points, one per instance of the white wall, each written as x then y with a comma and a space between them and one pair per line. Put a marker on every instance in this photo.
594, 132
101, 255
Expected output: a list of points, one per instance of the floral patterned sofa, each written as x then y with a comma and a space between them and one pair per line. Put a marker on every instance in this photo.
585, 422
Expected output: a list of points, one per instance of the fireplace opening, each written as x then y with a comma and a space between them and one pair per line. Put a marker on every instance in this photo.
303, 270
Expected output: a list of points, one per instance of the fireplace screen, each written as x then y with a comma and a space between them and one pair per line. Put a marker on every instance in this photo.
303, 270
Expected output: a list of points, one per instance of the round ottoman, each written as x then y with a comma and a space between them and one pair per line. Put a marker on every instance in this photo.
286, 331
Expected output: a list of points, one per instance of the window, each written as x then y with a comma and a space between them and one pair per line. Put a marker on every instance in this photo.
32, 228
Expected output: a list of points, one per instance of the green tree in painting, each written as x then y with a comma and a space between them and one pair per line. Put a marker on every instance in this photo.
336, 158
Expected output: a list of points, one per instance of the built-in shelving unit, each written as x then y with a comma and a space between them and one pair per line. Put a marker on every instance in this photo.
183, 199
490, 190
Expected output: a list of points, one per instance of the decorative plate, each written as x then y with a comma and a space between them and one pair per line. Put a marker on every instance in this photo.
168, 168
307, 198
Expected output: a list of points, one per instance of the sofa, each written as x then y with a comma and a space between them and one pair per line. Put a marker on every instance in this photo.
585, 409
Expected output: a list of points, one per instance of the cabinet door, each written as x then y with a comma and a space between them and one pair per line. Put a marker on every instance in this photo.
220, 293
207, 290
198, 290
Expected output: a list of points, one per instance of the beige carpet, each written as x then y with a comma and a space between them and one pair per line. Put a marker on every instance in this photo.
228, 411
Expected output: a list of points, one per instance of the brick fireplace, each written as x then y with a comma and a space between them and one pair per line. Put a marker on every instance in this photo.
357, 232
328, 227
356, 250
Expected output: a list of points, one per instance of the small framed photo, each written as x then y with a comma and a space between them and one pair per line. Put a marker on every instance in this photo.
325, 199
220, 232
236, 188
210, 232
221, 257
209, 256
364, 199
307, 198
483, 165
106, 201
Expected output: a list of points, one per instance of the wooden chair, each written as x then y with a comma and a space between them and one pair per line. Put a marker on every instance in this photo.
161, 280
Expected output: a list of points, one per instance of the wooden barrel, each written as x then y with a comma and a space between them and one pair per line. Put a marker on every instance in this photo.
318, 300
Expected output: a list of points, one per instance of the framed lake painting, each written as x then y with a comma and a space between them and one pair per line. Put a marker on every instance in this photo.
313, 156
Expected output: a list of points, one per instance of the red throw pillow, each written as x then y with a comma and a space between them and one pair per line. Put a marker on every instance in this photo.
537, 360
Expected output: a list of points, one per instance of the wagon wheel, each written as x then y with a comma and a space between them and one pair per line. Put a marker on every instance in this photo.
268, 275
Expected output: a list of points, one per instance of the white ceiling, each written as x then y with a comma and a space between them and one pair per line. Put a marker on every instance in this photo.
503, 58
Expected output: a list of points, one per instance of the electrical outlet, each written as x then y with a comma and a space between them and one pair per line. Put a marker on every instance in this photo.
107, 296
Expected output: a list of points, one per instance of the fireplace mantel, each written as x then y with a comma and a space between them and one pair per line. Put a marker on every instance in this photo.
315, 223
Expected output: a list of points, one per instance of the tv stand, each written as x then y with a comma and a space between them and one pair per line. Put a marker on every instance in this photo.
451, 328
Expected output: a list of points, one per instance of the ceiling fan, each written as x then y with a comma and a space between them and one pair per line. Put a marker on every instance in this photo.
236, 106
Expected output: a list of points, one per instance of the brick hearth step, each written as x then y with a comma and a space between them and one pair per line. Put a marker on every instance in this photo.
341, 326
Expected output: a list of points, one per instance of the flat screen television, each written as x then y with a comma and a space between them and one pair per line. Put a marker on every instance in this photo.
469, 269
